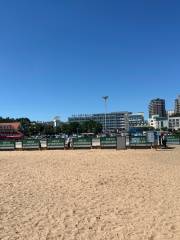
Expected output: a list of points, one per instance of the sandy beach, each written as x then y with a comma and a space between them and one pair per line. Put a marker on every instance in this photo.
90, 194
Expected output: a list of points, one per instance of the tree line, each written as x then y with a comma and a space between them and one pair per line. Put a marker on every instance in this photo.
31, 128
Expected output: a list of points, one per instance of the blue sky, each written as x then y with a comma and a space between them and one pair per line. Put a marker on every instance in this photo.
61, 57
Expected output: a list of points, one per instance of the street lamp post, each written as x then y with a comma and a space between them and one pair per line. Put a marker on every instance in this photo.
105, 105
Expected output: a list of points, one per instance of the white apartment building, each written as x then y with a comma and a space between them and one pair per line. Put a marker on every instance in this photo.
170, 112
158, 122
174, 123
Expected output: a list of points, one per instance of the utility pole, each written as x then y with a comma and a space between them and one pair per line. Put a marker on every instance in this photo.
105, 105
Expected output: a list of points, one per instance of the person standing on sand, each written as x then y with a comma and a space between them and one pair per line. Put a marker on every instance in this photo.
164, 141
160, 140
156, 140
68, 143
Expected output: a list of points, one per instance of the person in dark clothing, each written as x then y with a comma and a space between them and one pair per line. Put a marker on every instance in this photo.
164, 141
160, 140
155, 140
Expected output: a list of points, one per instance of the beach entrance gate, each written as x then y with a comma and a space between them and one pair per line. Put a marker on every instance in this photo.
108, 142
31, 144
7, 145
58, 143
82, 142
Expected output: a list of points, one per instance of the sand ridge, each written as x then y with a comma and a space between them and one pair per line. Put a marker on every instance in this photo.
90, 194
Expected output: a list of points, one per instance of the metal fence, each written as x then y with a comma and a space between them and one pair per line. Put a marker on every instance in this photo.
140, 141
82, 143
108, 142
103, 142
55, 143
7, 145
173, 139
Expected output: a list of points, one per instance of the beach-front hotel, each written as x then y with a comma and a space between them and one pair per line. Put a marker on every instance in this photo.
114, 120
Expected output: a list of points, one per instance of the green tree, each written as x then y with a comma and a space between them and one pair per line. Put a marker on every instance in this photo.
25, 124
74, 127
49, 130
91, 127
65, 128
58, 129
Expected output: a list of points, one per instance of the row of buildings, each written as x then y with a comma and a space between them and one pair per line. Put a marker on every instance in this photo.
114, 121
157, 107
124, 121
159, 118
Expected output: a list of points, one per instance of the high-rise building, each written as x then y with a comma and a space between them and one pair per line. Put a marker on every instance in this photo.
177, 105
157, 107
114, 120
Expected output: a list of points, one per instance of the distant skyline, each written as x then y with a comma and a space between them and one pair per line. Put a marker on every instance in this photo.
58, 58
169, 108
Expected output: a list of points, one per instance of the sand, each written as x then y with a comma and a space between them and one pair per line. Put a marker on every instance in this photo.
90, 194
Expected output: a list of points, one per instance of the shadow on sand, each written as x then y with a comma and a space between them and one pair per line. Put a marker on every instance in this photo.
166, 148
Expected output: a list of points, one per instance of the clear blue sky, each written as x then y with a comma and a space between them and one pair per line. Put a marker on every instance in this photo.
59, 57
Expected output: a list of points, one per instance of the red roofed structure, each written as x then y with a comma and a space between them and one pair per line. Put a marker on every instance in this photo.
10, 131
